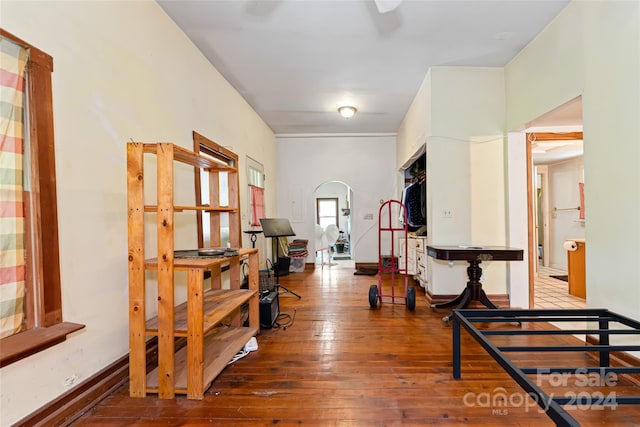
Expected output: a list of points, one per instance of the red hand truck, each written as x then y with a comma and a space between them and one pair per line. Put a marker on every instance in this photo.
388, 263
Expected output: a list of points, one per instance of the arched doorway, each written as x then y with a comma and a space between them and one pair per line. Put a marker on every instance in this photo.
333, 206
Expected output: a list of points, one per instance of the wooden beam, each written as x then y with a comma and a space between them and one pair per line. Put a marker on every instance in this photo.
552, 136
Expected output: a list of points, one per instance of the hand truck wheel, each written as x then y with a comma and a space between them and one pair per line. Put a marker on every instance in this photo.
411, 298
373, 296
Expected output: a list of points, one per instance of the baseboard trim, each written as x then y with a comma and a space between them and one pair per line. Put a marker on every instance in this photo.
71, 405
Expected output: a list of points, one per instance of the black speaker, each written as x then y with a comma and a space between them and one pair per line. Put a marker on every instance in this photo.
269, 309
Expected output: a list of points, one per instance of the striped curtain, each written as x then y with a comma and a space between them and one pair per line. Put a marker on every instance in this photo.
13, 59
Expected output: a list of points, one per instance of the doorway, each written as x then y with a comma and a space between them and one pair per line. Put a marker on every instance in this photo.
555, 176
333, 207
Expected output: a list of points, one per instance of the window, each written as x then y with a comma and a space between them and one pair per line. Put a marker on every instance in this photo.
255, 179
40, 325
206, 238
327, 211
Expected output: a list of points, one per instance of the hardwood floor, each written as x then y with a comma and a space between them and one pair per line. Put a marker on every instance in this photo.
341, 363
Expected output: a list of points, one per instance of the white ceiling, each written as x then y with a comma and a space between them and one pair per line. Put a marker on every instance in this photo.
296, 61
558, 154
563, 119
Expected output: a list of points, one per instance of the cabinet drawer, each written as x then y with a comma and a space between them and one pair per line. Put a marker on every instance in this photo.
422, 274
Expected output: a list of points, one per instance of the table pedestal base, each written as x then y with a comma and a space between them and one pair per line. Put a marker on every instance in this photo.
473, 292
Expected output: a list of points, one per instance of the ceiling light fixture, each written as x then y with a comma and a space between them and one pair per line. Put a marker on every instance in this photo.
347, 111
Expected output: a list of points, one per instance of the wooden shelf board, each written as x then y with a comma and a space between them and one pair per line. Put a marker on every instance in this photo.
203, 263
218, 304
219, 349
178, 208
189, 157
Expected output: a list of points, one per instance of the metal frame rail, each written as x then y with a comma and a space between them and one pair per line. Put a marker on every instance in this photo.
552, 405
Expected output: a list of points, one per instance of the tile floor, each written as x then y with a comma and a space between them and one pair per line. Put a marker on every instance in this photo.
554, 293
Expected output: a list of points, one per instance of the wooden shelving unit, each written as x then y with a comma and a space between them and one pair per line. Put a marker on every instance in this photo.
209, 319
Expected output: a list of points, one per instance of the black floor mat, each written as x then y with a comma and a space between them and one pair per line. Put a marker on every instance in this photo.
562, 277
366, 272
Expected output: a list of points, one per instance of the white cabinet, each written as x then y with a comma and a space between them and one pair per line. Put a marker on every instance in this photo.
416, 261
421, 260
410, 262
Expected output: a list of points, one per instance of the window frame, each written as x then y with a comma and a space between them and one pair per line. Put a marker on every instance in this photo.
258, 167
204, 144
333, 199
44, 325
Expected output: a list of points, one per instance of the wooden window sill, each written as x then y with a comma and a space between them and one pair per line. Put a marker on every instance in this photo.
24, 344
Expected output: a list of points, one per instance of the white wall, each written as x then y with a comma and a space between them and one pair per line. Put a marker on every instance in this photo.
122, 70
593, 49
563, 179
517, 230
364, 163
416, 125
461, 112
488, 206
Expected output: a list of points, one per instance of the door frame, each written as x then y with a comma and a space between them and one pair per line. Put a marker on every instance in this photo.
543, 171
533, 251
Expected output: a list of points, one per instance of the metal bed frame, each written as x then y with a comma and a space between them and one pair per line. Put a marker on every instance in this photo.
552, 405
